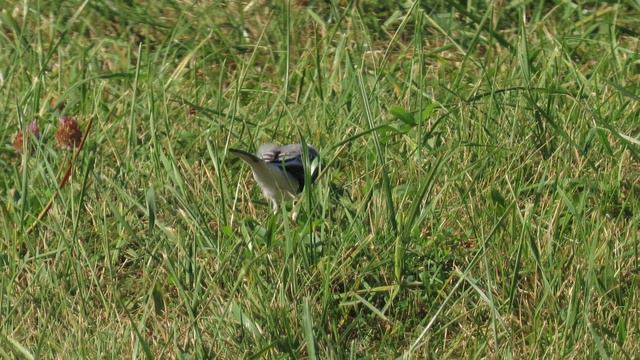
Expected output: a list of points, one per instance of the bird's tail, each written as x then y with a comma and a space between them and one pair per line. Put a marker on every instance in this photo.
248, 157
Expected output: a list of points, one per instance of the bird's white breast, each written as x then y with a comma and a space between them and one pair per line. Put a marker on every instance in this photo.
275, 183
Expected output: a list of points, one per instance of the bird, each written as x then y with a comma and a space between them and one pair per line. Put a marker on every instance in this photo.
279, 169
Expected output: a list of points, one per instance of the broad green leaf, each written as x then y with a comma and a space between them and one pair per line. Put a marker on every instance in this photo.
402, 115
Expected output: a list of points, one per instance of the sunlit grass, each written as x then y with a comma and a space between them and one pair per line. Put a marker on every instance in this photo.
479, 194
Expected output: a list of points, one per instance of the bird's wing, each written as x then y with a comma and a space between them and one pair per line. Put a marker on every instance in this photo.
268, 152
296, 150
290, 158
295, 168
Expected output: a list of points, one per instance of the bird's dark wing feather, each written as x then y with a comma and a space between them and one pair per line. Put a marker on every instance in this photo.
294, 166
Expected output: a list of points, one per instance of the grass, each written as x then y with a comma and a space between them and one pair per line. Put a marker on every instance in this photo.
480, 195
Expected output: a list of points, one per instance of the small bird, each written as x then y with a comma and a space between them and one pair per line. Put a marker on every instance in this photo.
279, 170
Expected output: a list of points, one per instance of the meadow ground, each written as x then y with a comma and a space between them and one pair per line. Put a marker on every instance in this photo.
480, 194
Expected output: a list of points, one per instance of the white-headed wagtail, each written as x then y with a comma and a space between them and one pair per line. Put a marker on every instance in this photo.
279, 169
